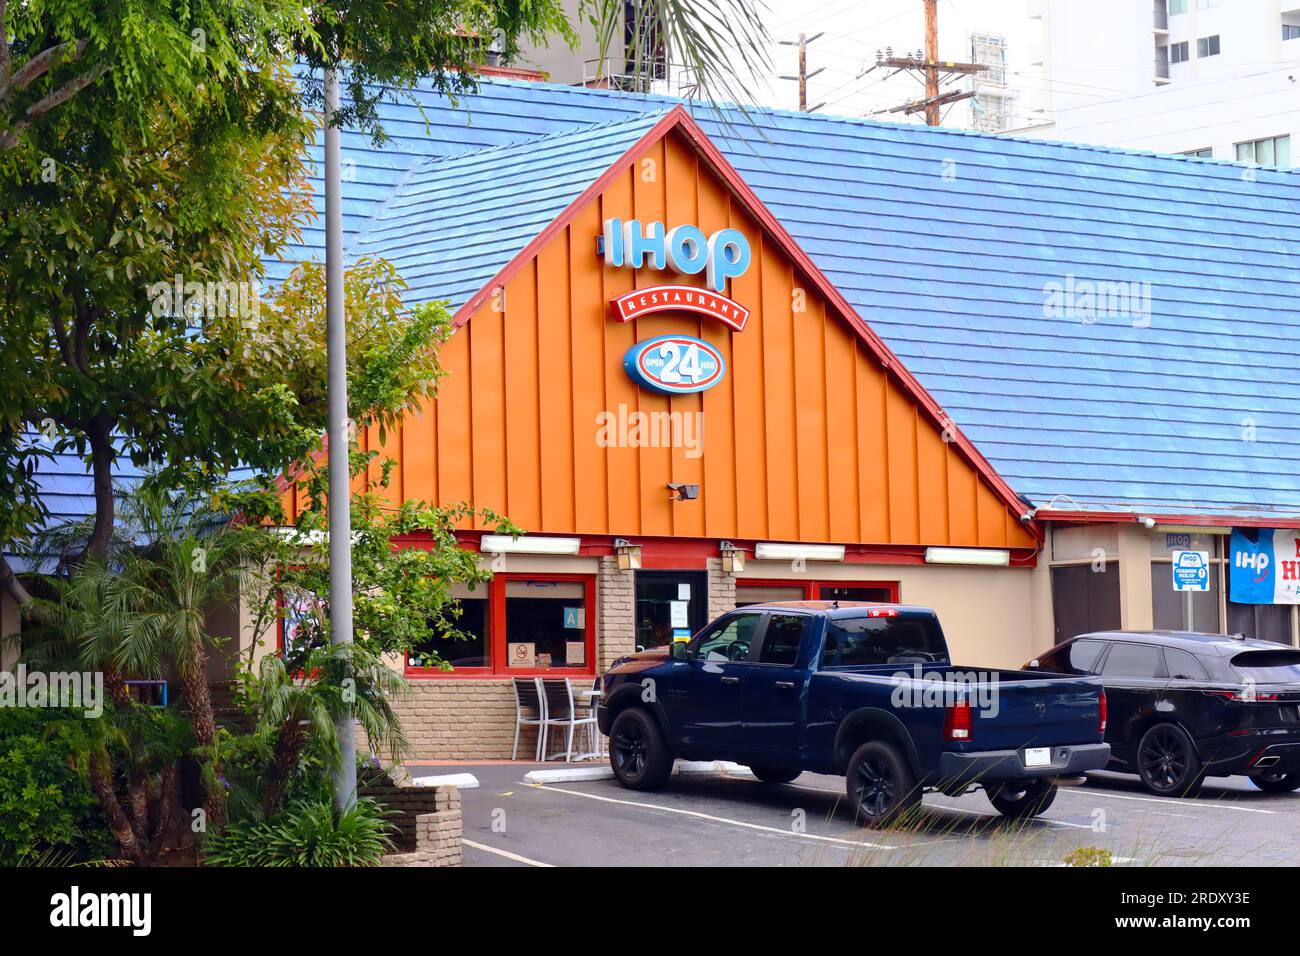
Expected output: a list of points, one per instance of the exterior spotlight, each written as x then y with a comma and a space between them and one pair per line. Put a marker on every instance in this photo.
733, 558
629, 554
684, 492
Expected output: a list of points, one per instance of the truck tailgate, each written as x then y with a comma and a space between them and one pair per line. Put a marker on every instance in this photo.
1034, 710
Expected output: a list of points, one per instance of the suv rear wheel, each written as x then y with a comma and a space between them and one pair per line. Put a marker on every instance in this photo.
881, 785
638, 753
1167, 762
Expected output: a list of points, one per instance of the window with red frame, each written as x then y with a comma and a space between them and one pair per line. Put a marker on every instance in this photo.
519, 624
762, 592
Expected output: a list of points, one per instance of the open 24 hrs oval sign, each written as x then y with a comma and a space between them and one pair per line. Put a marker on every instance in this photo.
675, 364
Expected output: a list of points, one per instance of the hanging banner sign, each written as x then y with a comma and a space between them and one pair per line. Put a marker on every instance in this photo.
674, 364
683, 298
1264, 566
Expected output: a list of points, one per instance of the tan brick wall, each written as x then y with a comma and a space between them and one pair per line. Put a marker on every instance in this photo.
437, 833
722, 589
448, 719
615, 623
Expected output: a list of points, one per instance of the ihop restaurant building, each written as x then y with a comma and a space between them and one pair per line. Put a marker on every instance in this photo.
714, 359
709, 360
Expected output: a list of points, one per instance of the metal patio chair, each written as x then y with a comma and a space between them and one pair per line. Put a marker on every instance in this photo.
557, 697
528, 697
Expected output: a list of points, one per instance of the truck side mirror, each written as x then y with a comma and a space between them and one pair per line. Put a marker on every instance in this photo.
677, 651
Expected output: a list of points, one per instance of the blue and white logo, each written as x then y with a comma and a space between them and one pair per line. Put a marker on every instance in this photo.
1191, 571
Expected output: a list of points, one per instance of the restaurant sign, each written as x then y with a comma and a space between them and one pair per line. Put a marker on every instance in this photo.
674, 364
684, 298
1264, 566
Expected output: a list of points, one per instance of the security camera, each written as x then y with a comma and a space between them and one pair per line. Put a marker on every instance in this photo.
1148, 523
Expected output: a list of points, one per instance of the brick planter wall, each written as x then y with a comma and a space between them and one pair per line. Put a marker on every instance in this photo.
462, 720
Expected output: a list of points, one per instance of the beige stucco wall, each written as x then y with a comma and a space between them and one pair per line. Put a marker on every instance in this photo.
991, 616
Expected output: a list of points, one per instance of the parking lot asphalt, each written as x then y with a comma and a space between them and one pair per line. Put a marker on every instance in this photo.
733, 820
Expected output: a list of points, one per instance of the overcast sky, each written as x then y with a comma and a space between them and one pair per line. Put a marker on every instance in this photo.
855, 29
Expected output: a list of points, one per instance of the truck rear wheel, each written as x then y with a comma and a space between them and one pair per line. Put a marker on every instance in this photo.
881, 785
638, 753
1277, 782
1021, 799
774, 774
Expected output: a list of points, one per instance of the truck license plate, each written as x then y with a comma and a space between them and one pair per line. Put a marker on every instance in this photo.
1038, 756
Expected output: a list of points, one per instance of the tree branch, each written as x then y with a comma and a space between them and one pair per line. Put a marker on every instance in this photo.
9, 138
67, 52
11, 585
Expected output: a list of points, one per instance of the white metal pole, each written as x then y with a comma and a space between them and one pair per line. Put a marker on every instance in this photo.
340, 511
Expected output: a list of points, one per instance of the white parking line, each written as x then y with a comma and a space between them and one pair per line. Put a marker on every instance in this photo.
860, 844
944, 806
1168, 801
505, 853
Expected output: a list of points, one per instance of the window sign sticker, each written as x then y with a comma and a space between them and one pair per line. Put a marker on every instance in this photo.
575, 618
681, 634
684, 591
678, 615
522, 654
575, 653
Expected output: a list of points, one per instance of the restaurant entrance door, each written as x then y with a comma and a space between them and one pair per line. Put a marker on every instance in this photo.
669, 604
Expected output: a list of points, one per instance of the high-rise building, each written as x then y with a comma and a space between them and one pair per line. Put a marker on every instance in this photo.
1207, 78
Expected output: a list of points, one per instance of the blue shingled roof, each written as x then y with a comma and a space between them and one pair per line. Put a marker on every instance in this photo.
484, 207
947, 243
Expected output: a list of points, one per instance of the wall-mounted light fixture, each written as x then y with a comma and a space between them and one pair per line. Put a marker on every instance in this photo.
984, 557
629, 554
733, 558
680, 492
528, 544
782, 551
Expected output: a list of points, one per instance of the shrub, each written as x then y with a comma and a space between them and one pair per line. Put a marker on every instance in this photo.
45, 805
1088, 856
306, 834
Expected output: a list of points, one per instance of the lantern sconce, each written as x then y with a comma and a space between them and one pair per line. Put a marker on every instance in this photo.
629, 554
733, 557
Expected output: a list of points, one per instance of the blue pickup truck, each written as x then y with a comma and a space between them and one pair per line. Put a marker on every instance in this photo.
861, 690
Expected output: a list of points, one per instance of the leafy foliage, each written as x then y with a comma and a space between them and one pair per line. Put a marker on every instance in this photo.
307, 834
44, 804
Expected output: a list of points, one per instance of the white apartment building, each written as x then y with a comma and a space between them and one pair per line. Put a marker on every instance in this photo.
1210, 78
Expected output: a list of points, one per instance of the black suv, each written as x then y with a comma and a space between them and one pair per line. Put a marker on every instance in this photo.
1185, 706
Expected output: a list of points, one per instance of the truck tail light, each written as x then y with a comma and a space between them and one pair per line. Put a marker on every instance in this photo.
957, 722
883, 612
1101, 712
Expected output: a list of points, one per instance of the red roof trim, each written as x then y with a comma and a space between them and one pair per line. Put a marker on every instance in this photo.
678, 118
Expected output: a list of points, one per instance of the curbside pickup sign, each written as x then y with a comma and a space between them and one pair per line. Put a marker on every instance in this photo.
1264, 566
1191, 570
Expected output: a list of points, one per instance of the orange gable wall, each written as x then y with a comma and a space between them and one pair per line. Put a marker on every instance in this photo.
806, 438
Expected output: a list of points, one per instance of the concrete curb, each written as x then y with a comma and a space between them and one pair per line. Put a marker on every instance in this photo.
568, 774
461, 781
722, 767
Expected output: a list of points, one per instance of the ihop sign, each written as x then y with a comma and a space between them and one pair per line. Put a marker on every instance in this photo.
684, 249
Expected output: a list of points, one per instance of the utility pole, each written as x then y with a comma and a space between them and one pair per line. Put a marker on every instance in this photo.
926, 66
340, 506
931, 55
804, 76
